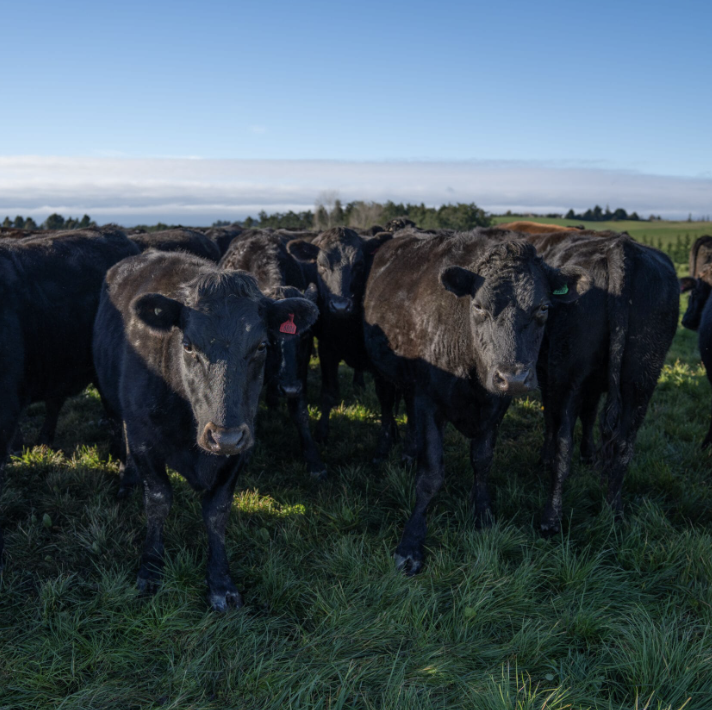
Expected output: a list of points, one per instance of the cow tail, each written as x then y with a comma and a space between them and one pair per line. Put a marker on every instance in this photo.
620, 278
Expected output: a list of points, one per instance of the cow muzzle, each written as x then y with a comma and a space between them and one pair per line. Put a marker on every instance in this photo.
341, 306
225, 441
516, 381
291, 389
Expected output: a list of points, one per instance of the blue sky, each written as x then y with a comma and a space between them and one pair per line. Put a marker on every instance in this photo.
607, 85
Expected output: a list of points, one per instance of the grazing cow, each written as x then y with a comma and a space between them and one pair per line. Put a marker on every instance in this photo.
50, 288
395, 225
698, 282
180, 347
613, 340
456, 323
179, 239
343, 260
278, 276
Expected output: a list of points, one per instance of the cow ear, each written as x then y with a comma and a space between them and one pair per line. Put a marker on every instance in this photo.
568, 284
371, 246
157, 311
303, 250
687, 283
291, 316
312, 293
460, 281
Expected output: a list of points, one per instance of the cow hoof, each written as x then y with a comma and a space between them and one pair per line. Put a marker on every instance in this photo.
222, 601
409, 564
484, 520
318, 472
549, 529
147, 586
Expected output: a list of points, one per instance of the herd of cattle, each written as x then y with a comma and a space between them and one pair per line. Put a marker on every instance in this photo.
179, 329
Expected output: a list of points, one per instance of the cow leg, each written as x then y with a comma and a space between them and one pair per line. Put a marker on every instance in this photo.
157, 498
481, 454
329, 361
18, 442
589, 409
129, 476
409, 553
216, 510
300, 416
271, 395
410, 447
386, 393
359, 382
708, 439
8, 428
563, 417
49, 426
619, 443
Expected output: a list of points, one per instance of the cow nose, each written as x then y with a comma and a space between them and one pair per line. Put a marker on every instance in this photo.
515, 382
225, 441
292, 389
340, 306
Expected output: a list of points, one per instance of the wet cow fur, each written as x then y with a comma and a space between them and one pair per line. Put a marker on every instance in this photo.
342, 260
279, 275
456, 322
614, 340
180, 347
179, 239
50, 286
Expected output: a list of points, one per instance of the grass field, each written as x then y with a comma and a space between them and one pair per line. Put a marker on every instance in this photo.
604, 616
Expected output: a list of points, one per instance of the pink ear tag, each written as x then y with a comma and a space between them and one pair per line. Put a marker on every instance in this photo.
288, 326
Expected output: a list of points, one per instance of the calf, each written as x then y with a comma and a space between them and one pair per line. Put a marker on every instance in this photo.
278, 275
342, 260
614, 339
180, 348
456, 323
179, 239
50, 287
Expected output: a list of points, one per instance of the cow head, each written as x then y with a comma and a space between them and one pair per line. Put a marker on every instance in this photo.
288, 358
220, 327
510, 291
341, 257
699, 290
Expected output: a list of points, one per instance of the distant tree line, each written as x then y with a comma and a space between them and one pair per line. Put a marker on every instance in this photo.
599, 215
330, 212
54, 221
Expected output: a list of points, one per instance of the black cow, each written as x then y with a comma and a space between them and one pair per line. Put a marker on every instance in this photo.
179, 239
278, 276
456, 323
698, 282
343, 260
704, 340
180, 347
49, 287
223, 236
614, 339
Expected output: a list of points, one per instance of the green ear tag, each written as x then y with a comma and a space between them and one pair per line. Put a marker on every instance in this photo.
561, 291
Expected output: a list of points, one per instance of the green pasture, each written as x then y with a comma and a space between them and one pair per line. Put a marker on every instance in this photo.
603, 616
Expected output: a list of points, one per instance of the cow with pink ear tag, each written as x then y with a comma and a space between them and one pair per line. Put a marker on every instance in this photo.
279, 275
180, 348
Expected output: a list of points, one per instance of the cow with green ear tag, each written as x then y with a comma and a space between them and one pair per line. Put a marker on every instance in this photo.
180, 349
456, 322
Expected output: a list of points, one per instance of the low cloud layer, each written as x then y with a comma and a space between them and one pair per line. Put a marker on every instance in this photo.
197, 191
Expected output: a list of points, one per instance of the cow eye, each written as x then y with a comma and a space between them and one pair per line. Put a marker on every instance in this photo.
478, 309
188, 347
262, 346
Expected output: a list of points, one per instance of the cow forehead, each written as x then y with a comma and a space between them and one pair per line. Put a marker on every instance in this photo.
523, 289
231, 320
